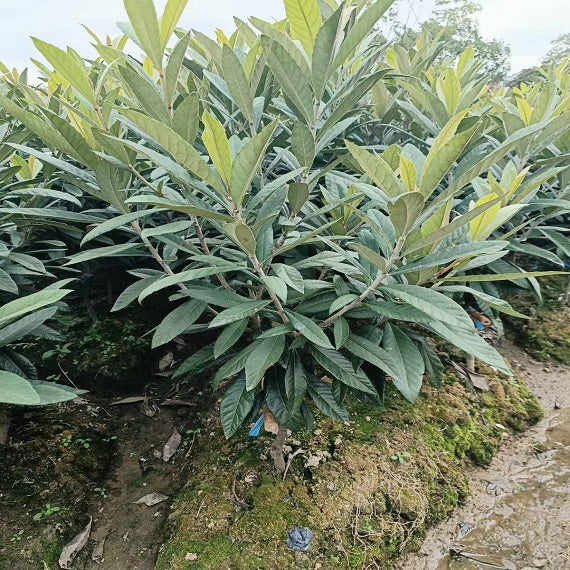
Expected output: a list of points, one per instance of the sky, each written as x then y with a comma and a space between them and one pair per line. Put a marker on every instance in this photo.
528, 26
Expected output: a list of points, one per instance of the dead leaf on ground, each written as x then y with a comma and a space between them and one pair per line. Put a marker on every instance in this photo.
72, 549
270, 424
166, 361
172, 445
151, 499
478, 380
130, 400
191, 556
98, 555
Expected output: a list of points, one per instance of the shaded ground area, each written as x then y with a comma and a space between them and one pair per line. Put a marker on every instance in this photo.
518, 513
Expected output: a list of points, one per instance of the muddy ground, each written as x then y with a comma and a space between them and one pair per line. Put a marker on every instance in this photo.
518, 512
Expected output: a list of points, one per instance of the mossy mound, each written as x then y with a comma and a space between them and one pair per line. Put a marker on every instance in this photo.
547, 335
368, 490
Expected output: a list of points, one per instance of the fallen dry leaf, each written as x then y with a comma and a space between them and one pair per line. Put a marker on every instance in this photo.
72, 549
97, 555
270, 424
130, 400
151, 499
191, 556
172, 445
166, 361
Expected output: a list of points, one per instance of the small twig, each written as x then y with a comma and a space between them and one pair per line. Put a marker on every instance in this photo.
290, 460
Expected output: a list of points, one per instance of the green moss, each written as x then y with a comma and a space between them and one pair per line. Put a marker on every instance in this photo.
395, 470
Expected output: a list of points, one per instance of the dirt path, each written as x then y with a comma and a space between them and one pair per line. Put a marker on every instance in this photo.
518, 514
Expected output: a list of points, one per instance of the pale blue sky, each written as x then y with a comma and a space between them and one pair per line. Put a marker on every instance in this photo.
527, 25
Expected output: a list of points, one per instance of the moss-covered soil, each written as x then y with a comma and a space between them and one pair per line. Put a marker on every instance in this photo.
367, 490
547, 335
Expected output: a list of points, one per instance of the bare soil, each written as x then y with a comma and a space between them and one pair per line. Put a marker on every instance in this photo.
517, 515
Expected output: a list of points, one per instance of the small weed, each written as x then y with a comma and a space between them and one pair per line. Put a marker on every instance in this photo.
17, 536
68, 441
101, 491
401, 456
46, 512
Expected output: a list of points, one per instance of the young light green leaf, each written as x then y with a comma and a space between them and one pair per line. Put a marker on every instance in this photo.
216, 142
143, 18
304, 18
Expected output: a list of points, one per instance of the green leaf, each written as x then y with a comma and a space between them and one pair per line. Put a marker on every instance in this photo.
309, 329
341, 332
304, 19
290, 275
195, 363
237, 313
408, 173
216, 143
237, 402
247, 161
471, 343
292, 80
242, 235
184, 277
373, 257
277, 285
324, 52
237, 81
17, 390
341, 369
7, 283
297, 195
409, 362
176, 322
182, 150
177, 207
68, 67
229, 336
322, 395
377, 169
278, 402
132, 292
405, 210
30, 303
303, 144
186, 118
52, 393
144, 21
265, 355
295, 382
364, 23
502, 276
170, 18
114, 223
125, 249
559, 240
25, 326
431, 303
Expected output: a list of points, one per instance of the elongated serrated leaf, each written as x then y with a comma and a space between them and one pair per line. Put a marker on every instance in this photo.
372, 353
172, 13
341, 369
238, 312
114, 223
247, 162
408, 359
68, 68
30, 303
324, 399
177, 321
295, 380
144, 21
290, 275
229, 336
216, 143
341, 332
237, 402
237, 81
377, 169
304, 19
309, 329
265, 355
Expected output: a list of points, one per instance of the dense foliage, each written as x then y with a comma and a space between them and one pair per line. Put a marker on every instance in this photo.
321, 201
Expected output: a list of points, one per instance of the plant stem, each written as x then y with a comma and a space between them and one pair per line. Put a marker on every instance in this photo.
358, 301
259, 270
277, 449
